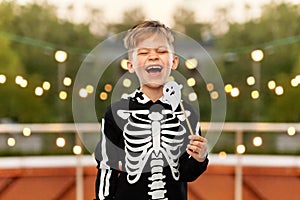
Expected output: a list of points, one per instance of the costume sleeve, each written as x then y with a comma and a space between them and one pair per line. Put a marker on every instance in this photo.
107, 155
189, 168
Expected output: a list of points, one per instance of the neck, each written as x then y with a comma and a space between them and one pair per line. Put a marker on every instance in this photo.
153, 93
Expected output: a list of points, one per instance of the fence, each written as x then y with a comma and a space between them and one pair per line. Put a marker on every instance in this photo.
80, 161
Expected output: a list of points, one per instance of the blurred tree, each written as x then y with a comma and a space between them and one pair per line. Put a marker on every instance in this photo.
36, 33
269, 33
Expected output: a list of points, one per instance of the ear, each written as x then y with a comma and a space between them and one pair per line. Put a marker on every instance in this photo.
130, 66
175, 62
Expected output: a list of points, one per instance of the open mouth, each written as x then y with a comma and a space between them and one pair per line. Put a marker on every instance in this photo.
154, 69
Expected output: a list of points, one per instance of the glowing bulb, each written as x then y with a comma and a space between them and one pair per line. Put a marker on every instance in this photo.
294, 82
291, 131
77, 149
108, 87
67, 81
83, 93
63, 95
240, 149
255, 94
2, 78
18, 79
60, 56
192, 96
257, 55
60, 142
214, 95
209, 86
124, 64
24, 83
26, 132
279, 90
191, 82
11, 142
250, 80
46, 85
103, 96
89, 89
39, 91
257, 141
235, 92
191, 63
127, 82
228, 88
271, 85
222, 155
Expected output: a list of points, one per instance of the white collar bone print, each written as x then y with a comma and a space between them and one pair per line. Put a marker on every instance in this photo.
153, 136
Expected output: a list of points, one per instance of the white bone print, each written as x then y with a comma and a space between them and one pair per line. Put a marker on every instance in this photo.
150, 135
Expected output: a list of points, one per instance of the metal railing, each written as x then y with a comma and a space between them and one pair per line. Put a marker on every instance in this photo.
237, 128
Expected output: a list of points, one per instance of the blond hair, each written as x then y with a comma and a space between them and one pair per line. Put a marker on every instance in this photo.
147, 27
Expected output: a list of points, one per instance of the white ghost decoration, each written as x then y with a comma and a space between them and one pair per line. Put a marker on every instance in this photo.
172, 94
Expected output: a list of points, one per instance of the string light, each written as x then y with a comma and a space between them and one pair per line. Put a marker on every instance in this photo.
214, 95
250, 80
257, 55
103, 96
192, 96
126, 82
191, 82
191, 63
60, 142
26, 132
67, 81
291, 131
108, 87
209, 86
83, 93
255, 94
257, 141
11, 141
63, 95
222, 155
77, 149
228, 88
46, 85
240, 149
124, 64
39, 91
271, 85
2, 78
89, 89
279, 90
235, 92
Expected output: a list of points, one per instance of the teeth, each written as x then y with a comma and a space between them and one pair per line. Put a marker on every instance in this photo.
153, 68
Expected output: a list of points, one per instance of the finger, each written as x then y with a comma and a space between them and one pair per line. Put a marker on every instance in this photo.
197, 137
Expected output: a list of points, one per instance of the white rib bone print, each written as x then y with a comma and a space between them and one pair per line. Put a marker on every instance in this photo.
151, 135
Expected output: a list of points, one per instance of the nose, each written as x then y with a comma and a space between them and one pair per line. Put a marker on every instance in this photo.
153, 55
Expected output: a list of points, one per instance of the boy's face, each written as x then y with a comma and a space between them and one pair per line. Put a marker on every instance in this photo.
152, 61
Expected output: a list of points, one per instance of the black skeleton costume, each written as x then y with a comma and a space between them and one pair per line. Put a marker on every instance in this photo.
142, 151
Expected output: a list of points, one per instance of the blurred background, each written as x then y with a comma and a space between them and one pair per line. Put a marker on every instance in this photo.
255, 45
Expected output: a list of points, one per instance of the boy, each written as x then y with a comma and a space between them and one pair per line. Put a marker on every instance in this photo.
146, 150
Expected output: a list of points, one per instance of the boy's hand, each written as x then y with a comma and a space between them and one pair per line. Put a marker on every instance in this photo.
197, 147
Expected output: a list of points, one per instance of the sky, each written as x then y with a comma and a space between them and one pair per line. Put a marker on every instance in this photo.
162, 10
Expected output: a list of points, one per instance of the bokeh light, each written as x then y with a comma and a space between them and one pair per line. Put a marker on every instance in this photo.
291, 131
257, 141
240, 149
77, 150
257, 55
46, 85
67, 81
60, 142
26, 132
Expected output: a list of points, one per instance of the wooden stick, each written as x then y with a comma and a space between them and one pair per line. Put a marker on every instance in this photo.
186, 118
